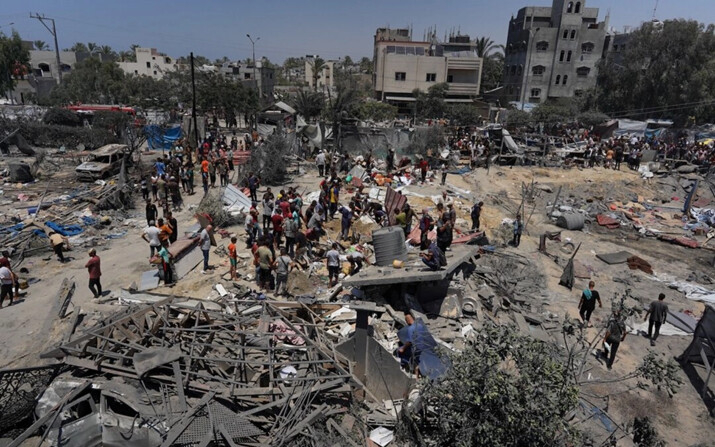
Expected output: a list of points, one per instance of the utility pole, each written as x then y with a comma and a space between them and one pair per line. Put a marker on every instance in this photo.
258, 90
193, 105
52, 31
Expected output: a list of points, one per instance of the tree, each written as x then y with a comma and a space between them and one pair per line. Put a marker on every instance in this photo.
309, 104
92, 47
431, 105
317, 65
667, 70
503, 389
347, 61
40, 45
92, 81
14, 59
484, 46
340, 107
366, 65
492, 73
463, 115
79, 47
376, 111
107, 50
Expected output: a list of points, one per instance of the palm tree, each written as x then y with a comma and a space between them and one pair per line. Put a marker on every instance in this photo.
127, 56
341, 106
317, 65
309, 104
41, 45
484, 46
79, 47
107, 50
92, 47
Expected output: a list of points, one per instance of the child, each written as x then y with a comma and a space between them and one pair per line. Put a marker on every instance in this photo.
233, 258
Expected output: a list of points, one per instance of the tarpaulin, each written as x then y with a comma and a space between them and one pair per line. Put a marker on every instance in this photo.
64, 230
158, 138
607, 222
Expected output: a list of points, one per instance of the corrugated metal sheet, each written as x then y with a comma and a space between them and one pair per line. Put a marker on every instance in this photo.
393, 200
233, 197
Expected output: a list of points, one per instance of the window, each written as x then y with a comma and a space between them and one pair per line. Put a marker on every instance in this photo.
566, 78
542, 46
390, 49
513, 70
136, 72
573, 34
153, 58
148, 64
538, 70
561, 56
558, 79
247, 76
519, 70
450, 78
588, 47
400, 76
410, 50
615, 48
509, 49
419, 51
535, 92
566, 34
569, 7
568, 56
44, 67
154, 72
578, 7
431, 77
400, 50
582, 72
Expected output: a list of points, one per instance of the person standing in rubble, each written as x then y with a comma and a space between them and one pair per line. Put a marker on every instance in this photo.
205, 244
7, 278
151, 212
658, 312
426, 225
390, 160
267, 209
587, 304
518, 228
615, 334
265, 261
233, 258
5, 262
253, 184
444, 229
95, 272
320, 163
165, 256
283, 266
476, 215
332, 261
58, 243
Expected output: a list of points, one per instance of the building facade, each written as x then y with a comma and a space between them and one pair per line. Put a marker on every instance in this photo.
248, 74
402, 65
553, 52
325, 79
149, 63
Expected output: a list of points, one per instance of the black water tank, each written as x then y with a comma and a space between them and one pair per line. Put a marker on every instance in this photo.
389, 243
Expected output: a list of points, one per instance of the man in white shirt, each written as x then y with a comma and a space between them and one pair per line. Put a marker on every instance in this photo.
205, 243
6, 281
320, 162
151, 235
332, 260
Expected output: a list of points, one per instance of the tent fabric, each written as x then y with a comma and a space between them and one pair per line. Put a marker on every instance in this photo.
64, 230
158, 138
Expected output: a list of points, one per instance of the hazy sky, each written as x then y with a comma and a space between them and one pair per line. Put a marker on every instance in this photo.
332, 29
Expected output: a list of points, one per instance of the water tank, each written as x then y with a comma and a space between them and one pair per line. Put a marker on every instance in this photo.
389, 243
571, 221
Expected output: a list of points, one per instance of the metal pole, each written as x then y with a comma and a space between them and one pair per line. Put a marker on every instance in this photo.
52, 31
530, 47
193, 104
258, 90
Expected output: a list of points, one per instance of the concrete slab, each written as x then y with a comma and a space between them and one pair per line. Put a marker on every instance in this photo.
149, 280
614, 258
411, 273
188, 262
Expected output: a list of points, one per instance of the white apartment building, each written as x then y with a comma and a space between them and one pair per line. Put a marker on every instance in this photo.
325, 76
149, 63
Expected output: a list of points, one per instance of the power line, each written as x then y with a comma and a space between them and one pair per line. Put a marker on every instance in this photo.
52, 31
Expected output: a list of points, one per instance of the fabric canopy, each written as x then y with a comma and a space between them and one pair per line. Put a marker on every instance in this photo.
158, 138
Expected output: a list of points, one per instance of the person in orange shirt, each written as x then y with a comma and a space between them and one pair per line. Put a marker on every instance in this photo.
166, 231
233, 258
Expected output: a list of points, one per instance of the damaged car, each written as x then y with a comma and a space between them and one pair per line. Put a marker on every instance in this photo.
103, 163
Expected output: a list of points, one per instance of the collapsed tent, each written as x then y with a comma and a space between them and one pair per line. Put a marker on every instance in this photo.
158, 138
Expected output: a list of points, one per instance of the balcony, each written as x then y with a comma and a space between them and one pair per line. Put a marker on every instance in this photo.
463, 88
463, 63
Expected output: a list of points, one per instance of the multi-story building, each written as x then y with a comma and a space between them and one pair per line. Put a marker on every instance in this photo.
325, 77
247, 74
552, 52
402, 65
149, 63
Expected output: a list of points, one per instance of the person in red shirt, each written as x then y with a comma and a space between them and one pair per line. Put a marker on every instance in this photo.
233, 258
277, 220
423, 169
5, 262
95, 272
285, 207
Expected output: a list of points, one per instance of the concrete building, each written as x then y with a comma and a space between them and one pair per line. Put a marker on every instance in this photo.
240, 71
551, 52
325, 77
149, 63
402, 65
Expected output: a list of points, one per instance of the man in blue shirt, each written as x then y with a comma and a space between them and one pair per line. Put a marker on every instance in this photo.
160, 167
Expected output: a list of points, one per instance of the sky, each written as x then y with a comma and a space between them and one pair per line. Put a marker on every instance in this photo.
331, 29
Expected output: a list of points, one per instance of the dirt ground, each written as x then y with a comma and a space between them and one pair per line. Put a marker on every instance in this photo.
32, 326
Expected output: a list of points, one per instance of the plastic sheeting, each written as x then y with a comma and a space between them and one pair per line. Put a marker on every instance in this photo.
158, 138
64, 230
